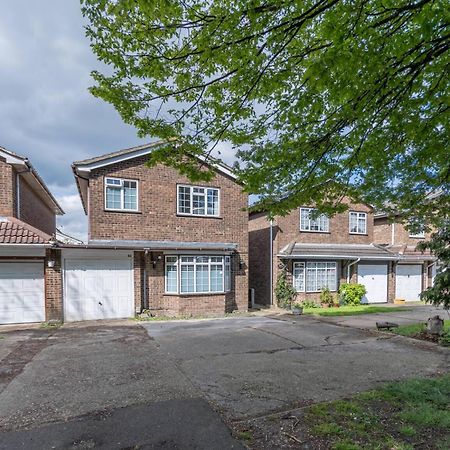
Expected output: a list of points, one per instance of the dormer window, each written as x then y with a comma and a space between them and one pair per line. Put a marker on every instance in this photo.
121, 195
357, 223
310, 222
198, 201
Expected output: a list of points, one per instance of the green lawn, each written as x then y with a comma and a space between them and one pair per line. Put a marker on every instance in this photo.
401, 415
411, 330
353, 310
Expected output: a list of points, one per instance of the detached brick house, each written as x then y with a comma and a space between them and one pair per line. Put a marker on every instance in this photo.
30, 275
319, 252
157, 241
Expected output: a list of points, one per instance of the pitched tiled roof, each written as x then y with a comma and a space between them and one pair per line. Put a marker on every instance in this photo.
14, 231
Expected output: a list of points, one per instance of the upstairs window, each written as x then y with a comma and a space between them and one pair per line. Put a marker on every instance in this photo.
419, 234
121, 195
311, 222
198, 201
357, 223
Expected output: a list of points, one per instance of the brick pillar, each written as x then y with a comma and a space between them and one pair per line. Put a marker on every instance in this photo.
53, 286
391, 281
138, 273
7, 191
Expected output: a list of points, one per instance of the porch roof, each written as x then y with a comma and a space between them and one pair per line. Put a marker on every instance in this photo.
160, 245
296, 250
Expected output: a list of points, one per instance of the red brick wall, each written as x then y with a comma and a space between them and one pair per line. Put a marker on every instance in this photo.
259, 257
162, 304
7, 189
383, 233
34, 211
157, 219
53, 286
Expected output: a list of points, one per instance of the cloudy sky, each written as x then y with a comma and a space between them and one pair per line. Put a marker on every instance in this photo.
46, 111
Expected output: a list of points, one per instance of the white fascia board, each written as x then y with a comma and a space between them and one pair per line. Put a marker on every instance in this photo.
23, 250
11, 159
86, 168
365, 258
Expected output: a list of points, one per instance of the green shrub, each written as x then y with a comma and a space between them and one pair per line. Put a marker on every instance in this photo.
310, 305
326, 297
351, 293
284, 291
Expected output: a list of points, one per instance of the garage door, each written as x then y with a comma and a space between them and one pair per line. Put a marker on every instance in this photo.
22, 292
374, 278
98, 289
408, 283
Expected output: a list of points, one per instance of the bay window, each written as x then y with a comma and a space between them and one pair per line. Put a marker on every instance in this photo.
314, 276
198, 274
197, 201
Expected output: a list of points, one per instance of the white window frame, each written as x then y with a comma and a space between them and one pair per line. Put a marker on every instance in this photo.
122, 194
359, 215
304, 266
191, 188
317, 219
420, 235
226, 283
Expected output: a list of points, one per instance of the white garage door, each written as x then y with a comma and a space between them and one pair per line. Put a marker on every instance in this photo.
374, 278
22, 292
408, 282
98, 289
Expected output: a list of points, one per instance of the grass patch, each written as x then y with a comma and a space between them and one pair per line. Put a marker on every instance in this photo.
53, 325
415, 328
396, 416
245, 435
354, 310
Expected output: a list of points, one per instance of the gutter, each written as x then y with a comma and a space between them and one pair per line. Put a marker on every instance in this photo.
271, 261
350, 265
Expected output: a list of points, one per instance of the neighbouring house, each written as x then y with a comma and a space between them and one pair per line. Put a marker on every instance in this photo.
318, 252
157, 241
414, 270
30, 273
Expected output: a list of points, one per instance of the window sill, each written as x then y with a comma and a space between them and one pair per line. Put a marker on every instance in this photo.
316, 232
194, 294
358, 234
199, 216
314, 292
123, 211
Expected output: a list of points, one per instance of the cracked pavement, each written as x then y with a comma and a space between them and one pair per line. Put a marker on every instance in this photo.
256, 365
239, 367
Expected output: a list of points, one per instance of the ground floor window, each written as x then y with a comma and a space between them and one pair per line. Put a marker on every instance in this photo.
197, 274
312, 276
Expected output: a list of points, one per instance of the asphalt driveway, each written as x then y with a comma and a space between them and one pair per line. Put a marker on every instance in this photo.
95, 385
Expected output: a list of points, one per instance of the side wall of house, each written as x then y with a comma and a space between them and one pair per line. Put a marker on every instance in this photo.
386, 232
259, 257
7, 189
34, 211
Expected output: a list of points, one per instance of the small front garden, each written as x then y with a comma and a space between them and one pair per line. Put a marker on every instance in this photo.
350, 310
402, 415
346, 302
419, 331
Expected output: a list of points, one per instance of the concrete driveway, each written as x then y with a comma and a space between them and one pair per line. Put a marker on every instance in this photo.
253, 366
105, 385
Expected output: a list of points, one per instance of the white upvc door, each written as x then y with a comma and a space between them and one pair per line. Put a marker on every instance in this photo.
98, 289
408, 282
22, 292
375, 279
